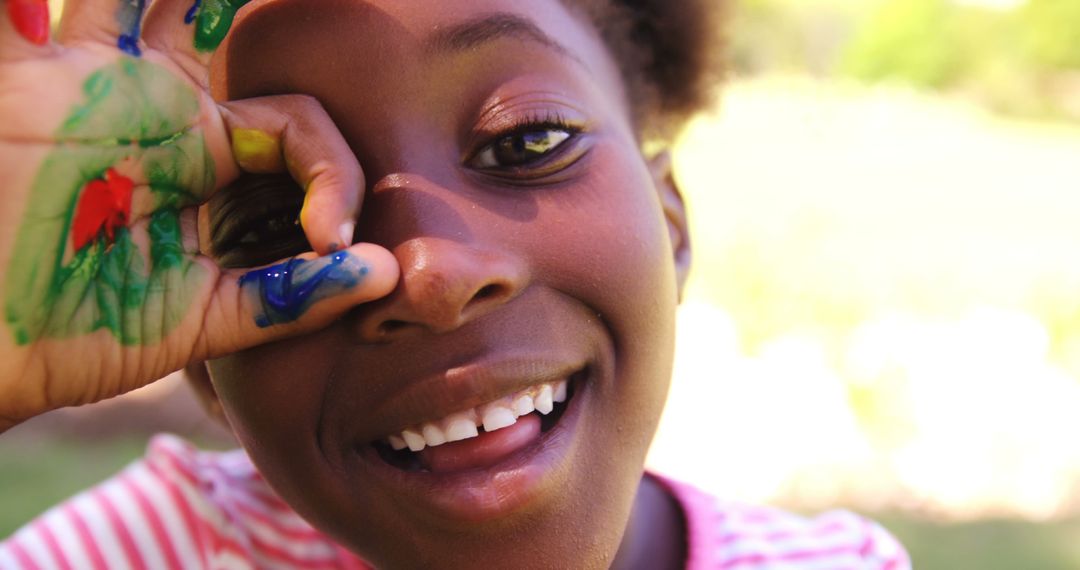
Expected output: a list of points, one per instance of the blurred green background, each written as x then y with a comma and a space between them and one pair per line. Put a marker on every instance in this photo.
1018, 57
884, 312
886, 293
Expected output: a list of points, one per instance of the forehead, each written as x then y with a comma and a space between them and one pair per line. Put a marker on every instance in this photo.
279, 46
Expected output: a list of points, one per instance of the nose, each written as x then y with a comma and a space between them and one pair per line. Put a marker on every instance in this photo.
455, 266
443, 285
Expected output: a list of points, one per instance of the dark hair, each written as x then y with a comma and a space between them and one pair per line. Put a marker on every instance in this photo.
670, 53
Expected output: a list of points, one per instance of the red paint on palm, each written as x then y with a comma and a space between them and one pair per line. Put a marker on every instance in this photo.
31, 19
105, 204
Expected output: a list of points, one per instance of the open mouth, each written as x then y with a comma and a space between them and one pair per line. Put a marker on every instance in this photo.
482, 436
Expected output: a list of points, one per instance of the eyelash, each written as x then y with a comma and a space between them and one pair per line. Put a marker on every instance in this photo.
534, 122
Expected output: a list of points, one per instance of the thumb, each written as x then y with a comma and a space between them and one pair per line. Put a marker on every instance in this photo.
297, 296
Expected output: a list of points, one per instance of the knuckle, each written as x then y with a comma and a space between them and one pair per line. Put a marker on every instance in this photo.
306, 104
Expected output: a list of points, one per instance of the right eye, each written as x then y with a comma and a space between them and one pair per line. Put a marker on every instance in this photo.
256, 221
271, 227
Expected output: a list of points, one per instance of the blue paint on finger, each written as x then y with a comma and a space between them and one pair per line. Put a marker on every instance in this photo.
286, 291
129, 17
192, 12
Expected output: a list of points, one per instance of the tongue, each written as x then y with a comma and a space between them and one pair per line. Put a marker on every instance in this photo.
481, 451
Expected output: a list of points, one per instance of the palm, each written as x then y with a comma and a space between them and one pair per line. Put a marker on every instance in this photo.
107, 156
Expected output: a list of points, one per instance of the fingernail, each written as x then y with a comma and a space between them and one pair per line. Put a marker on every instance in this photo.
192, 12
346, 232
31, 19
214, 21
129, 17
256, 151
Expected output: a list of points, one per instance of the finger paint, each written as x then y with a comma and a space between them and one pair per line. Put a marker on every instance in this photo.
286, 291
257, 151
213, 21
31, 19
104, 206
193, 11
129, 17
139, 114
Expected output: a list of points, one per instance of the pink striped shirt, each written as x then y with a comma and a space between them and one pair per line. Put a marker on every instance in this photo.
180, 508
729, 535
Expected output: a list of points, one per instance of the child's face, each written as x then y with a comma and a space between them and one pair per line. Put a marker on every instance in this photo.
504, 174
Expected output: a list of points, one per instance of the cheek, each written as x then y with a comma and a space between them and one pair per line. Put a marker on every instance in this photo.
609, 245
611, 251
273, 394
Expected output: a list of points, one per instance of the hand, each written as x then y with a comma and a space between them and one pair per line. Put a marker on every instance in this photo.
109, 142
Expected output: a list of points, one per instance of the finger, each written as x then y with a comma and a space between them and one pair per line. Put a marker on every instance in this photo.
169, 27
27, 20
190, 30
293, 132
298, 296
115, 22
194, 28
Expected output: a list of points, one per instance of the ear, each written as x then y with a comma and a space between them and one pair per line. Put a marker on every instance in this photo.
198, 377
662, 168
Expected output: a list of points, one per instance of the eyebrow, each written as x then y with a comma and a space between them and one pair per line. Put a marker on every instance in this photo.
474, 33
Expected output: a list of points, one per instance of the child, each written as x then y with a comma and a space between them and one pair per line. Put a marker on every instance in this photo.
476, 383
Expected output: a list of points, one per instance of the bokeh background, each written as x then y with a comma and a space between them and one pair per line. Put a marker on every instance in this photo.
884, 313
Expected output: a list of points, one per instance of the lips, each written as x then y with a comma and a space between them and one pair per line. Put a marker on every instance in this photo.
485, 372
493, 473
490, 417
482, 436
468, 382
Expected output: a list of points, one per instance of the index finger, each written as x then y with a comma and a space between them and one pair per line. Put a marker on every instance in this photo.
294, 133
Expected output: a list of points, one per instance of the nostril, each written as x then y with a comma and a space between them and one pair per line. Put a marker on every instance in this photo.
492, 291
391, 326
486, 291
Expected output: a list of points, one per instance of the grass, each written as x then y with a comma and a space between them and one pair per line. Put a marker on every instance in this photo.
35, 475
999, 544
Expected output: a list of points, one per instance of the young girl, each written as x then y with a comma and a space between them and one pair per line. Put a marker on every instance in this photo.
474, 383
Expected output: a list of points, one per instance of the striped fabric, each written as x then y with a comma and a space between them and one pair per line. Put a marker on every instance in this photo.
735, 536
180, 508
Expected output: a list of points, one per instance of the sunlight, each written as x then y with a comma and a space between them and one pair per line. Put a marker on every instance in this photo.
883, 310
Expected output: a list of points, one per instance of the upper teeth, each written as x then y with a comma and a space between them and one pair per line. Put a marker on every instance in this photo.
496, 415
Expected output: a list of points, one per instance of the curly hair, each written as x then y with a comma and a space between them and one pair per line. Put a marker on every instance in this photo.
671, 55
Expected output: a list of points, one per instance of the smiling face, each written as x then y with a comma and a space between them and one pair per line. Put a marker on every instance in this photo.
504, 174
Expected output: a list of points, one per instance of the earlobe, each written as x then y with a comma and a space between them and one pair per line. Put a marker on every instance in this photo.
198, 377
662, 168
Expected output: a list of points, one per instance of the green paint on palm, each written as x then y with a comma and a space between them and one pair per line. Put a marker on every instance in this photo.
213, 22
133, 112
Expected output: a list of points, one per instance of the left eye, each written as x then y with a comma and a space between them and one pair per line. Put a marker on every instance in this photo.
521, 149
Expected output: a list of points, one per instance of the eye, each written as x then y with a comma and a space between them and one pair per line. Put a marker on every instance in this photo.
522, 148
255, 221
271, 227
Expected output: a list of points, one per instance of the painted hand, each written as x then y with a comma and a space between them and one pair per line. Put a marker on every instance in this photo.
109, 142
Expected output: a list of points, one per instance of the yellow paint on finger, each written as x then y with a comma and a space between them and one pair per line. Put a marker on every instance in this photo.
257, 151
